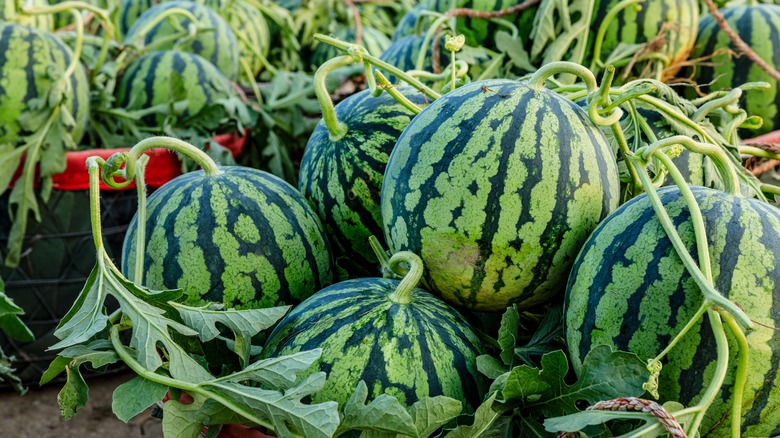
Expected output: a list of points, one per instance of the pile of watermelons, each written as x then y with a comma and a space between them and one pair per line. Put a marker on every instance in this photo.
539, 218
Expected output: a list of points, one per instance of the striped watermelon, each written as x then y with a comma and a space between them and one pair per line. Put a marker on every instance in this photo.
759, 27
403, 54
146, 83
129, 11
43, 22
630, 290
642, 23
26, 54
408, 349
249, 24
497, 185
244, 238
219, 46
373, 40
342, 178
478, 31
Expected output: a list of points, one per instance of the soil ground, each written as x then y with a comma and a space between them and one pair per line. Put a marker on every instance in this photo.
36, 414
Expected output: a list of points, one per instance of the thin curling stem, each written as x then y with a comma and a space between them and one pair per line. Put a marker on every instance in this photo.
710, 294
140, 232
130, 159
537, 80
599, 41
378, 63
740, 380
336, 129
159, 18
76, 61
93, 167
403, 293
715, 153
384, 84
730, 98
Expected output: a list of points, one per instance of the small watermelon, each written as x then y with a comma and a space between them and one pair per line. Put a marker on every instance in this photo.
219, 45
630, 290
497, 185
251, 28
759, 27
129, 11
397, 338
243, 238
147, 82
643, 22
342, 178
26, 57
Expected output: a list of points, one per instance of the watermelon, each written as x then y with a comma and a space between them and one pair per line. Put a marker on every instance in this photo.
497, 185
26, 56
398, 338
642, 23
243, 238
759, 27
342, 178
129, 11
249, 23
43, 22
147, 82
478, 31
373, 40
629, 289
219, 45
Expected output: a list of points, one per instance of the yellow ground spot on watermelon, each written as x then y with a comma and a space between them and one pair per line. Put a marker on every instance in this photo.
157, 242
449, 257
14, 84
196, 278
240, 268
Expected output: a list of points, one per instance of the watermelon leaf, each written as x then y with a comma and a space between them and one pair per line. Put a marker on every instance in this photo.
544, 338
383, 414
134, 396
242, 322
605, 375
10, 323
484, 418
507, 334
431, 413
279, 372
74, 394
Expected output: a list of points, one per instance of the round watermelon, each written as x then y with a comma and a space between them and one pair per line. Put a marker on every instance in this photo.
219, 45
28, 57
250, 24
630, 290
759, 27
399, 339
243, 238
497, 185
342, 178
147, 82
643, 22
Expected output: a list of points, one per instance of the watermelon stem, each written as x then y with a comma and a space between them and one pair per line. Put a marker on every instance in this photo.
378, 63
336, 129
403, 293
537, 80
740, 379
140, 236
384, 84
141, 34
602, 32
688, 326
711, 296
